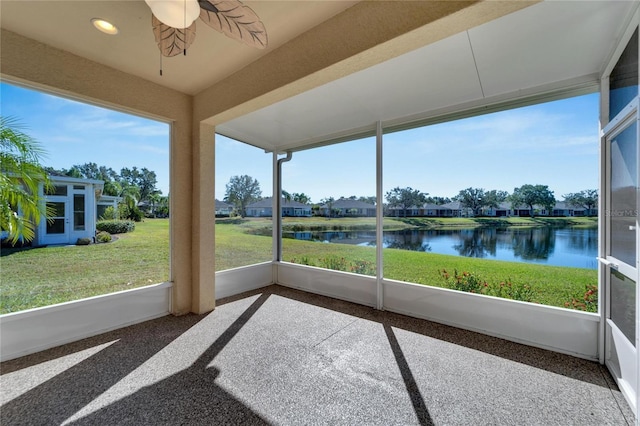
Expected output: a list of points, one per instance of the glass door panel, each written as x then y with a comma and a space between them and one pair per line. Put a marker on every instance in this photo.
622, 214
78, 212
56, 223
623, 304
623, 81
56, 229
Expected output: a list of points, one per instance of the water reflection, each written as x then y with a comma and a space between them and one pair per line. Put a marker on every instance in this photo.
534, 243
406, 239
479, 242
555, 246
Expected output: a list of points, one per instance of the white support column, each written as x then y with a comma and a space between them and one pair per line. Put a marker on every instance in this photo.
379, 218
274, 208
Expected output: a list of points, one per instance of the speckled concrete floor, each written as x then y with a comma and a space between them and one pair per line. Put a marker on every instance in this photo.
284, 357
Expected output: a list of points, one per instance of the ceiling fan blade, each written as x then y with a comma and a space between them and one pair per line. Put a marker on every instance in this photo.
172, 41
235, 20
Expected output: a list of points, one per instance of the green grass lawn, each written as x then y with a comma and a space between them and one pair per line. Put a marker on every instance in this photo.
44, 276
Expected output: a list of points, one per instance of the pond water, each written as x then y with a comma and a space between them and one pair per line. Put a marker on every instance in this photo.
575, 247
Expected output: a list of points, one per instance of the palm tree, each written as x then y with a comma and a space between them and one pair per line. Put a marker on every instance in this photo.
130, 195
154, 200
21, 206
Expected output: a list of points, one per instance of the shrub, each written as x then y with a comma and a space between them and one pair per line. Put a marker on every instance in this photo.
362, 267
103, 237
130, 213
109, 214
470, 282
334, 262
302, 261
588, 302
115, 226
83, 241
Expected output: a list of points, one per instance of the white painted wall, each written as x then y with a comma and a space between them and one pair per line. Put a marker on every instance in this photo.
340, 285
561, 330
34, 330
238, 280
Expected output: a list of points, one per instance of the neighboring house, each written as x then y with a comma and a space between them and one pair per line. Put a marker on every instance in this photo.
564, 209
522, 211
542, 211
452, 209
223, 209
264, 208
430, 210
412, 211
104, 202
75, 208
503, 210
347, 207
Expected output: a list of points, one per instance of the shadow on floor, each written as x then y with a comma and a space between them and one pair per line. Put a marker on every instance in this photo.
566, 365
192, 394
185, 395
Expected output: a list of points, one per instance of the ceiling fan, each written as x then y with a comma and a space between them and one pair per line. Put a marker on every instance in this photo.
174, 24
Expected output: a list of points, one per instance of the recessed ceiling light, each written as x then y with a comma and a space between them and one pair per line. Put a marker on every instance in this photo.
104, 26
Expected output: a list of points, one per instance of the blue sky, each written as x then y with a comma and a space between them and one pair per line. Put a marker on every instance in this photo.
77, 133
554, 144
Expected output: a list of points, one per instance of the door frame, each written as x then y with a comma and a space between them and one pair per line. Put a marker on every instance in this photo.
62, 238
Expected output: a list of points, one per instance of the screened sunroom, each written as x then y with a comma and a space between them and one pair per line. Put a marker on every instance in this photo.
338, 73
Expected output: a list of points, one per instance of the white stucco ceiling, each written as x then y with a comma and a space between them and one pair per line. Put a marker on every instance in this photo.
551, 45
66, 25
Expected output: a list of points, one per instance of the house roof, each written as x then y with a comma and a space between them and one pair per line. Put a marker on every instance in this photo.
345, 203
268, 203
430, 206
222, 205
79, 181
453, 205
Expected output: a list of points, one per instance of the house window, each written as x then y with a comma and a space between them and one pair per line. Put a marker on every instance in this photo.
58, 190
55, 224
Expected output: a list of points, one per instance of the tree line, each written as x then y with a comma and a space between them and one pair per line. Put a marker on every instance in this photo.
244, 190
137, 188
